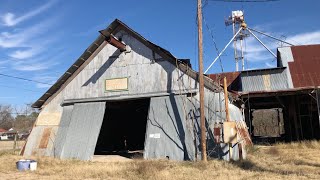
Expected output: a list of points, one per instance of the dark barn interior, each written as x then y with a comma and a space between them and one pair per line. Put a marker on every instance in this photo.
300, 116
123, 128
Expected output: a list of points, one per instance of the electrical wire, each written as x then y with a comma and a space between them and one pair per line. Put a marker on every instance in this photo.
12, 87
245, 52
245, 1
214, 42
25, 79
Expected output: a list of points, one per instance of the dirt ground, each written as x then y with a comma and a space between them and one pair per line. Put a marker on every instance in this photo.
282, 161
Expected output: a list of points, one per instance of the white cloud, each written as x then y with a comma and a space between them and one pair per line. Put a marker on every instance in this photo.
23, 54
270, 65
305, 38
38, 85
33, 65
45, 78
4, 62
255, 52
92, 30
24, 37
10, 19
24, 44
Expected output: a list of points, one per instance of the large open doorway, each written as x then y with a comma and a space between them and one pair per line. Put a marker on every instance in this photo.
123, 128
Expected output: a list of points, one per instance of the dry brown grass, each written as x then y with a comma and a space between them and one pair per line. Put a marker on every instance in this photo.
6, 145
290, 161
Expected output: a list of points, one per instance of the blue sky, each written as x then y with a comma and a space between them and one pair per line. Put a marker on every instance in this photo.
39, 40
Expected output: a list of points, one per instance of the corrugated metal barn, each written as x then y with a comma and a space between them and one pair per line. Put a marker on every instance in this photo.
289, 91
126, 94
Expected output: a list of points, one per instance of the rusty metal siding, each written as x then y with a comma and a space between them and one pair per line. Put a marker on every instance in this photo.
232, 79
305, 66
45, 138
83, 131
264, 80
34, 140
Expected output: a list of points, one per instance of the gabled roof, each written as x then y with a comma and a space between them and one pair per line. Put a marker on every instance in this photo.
81, 62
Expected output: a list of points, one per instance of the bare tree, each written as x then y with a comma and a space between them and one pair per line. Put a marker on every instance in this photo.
6, 118
25, 117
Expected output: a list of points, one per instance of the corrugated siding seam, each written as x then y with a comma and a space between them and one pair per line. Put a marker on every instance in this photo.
255, 81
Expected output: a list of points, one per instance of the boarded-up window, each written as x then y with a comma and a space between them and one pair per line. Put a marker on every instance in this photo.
45, 138
268, 122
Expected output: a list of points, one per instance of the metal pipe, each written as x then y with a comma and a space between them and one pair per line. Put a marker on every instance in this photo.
262, 43
242, 57
235, 46
270, 36
112, 40
222, 51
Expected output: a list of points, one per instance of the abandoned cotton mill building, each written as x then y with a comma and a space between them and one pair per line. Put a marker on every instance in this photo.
281, 103
125, 93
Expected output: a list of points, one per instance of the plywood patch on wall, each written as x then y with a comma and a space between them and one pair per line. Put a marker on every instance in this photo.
49, 119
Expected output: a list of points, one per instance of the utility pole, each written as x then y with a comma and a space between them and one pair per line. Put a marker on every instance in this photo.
201, 84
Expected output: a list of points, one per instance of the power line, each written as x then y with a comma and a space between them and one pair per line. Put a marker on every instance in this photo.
214, 42
25, 79
246, 1
13, 87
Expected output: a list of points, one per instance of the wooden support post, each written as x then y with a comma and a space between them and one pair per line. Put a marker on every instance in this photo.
226, 102
311, 117
293, 112
15, 142
299, 117
226, 98
201, 85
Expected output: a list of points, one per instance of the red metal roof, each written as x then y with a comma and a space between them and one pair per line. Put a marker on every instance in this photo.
305, 68
231, 77
2, 130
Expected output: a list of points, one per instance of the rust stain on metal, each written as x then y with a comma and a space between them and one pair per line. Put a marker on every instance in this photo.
112, 40
231, 77
305, 66
243, 133
45, 138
